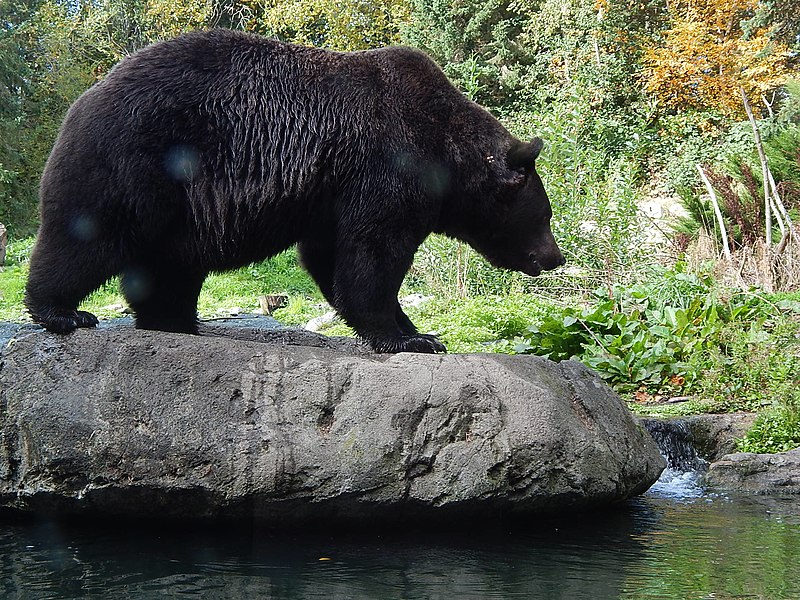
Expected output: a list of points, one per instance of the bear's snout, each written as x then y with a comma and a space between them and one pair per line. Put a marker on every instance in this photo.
547, 257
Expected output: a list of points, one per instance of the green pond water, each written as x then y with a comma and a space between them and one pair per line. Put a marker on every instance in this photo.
674, 542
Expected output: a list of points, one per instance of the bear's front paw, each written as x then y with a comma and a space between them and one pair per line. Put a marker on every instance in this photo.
68, 321
85, 319
420, 342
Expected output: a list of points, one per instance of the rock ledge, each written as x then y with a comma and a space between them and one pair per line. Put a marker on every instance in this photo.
746, 472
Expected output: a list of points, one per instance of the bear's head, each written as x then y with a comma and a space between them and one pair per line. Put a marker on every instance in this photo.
514, 229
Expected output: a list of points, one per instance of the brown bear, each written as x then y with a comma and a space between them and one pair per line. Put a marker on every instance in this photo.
219, 148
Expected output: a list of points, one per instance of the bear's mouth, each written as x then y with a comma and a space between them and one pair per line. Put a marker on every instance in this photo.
532, 267
529, 265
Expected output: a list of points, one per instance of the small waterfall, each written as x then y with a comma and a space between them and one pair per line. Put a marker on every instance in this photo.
685, 467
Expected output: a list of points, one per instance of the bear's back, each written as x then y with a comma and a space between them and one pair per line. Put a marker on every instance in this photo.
200, 64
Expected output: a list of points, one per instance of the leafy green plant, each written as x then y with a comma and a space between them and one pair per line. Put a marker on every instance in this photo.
645, 337
742, 369
628, 349
776, 430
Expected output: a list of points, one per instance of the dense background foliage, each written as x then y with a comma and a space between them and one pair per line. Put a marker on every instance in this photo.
634, 100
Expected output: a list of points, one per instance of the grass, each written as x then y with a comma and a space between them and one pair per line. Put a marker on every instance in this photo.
12, 280
241, 288
233, 291
775, 430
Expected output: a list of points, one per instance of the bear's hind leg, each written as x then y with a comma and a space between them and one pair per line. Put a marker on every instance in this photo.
62, 273
163, 298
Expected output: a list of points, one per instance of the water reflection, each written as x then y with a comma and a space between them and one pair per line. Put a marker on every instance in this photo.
651, 548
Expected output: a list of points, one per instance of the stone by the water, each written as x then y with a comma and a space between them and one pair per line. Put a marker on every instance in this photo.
746, 472
293, 428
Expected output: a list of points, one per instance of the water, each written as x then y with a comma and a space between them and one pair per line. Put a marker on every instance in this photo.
653, 547
685, 467
676, 542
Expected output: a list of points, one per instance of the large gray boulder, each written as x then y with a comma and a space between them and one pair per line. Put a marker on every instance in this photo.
295, 428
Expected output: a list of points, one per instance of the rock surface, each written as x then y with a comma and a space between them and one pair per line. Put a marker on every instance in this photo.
708, 437
756, 473
715, 435
289, 427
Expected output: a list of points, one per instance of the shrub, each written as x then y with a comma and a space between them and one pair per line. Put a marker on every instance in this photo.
657, 337
774, 431
742, 370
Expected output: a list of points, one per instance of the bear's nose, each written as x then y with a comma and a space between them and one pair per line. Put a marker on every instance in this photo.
548, 261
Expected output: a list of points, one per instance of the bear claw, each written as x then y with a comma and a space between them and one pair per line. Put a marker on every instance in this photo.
420, 343
68, 321
85, 319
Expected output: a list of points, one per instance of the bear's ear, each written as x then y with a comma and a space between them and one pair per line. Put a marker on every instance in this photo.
522, 155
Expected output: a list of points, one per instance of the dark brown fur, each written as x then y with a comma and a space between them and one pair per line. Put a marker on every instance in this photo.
217, 149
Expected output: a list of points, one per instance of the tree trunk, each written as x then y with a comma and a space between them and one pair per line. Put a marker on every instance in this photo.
764, 168
723, 231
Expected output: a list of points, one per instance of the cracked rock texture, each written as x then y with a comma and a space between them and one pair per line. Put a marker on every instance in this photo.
289, 427
756, 473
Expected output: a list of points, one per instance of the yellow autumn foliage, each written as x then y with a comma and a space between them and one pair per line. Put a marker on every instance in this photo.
705, 58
